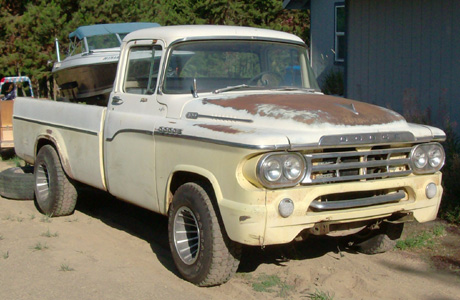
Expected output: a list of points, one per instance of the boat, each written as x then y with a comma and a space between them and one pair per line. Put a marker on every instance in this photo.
88, 72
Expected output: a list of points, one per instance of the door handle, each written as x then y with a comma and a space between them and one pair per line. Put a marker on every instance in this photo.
117, 100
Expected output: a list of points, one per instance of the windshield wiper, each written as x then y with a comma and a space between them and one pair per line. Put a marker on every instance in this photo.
231, 88
293, 88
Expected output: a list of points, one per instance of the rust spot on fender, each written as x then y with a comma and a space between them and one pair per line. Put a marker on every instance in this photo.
221, 128
244, 218
49, 131
311, 109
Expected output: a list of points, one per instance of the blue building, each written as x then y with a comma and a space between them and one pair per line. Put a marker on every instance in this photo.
401, 54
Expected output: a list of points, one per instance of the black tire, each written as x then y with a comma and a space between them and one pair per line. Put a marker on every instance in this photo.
17, 183
215, 258
379, 240
55, 193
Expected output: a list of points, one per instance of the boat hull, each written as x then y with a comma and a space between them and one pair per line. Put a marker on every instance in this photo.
87, 77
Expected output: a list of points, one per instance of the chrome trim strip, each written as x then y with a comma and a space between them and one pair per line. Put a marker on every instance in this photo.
332, 205
226, 143
360, 153
439, 138
147, 132
236, 37
57, 126
195, 116
359, 177
359, 165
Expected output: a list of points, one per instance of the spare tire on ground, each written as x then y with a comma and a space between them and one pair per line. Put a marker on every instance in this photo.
17, 183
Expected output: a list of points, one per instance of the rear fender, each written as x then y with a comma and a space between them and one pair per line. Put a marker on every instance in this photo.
46, 139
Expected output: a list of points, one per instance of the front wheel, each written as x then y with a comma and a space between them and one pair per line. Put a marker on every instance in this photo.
201, 250
55, 193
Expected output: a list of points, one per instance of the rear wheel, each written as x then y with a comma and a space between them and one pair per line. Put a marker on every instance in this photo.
55, 193
378, 240
202, 252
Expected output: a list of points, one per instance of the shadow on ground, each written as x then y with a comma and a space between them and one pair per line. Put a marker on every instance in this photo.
153, 228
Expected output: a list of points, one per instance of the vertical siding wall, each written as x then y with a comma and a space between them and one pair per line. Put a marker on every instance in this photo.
405, 55
322, 36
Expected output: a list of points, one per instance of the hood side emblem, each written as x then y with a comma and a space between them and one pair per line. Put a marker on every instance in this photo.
349, 107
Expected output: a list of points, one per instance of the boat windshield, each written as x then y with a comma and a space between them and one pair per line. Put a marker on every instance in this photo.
103, 41
96, 42
225, 65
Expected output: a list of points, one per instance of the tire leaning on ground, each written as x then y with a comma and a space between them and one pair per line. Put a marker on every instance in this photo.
379, 240
55, 193
17, 183
201, 250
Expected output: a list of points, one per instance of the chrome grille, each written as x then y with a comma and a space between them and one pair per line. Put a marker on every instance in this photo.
357, 165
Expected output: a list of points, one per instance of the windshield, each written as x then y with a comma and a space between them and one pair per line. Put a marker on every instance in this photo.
103, 41
216, 65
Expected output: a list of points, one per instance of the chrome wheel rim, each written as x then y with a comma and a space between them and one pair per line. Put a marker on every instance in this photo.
186, 235
42, 183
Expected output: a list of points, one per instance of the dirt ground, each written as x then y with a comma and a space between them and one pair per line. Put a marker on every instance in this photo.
113, 250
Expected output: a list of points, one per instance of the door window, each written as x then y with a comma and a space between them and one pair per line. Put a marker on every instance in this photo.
143, 68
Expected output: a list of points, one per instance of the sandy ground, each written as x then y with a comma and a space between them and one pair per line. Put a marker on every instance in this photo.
112, 250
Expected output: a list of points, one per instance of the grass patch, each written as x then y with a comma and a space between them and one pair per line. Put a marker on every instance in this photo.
6, 255
66, 268
320, 295
422, 240
46, 219
32, 216
18, 162
272, 284
39, 246
1, 237
49, 234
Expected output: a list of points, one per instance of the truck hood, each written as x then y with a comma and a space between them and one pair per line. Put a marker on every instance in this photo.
293, 120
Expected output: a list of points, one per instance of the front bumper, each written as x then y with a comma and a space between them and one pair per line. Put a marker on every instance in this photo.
262, 224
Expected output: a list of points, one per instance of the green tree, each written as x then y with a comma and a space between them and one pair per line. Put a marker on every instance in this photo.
28, 27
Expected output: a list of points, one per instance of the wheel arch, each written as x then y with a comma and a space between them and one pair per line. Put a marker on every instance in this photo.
49, 140
204, 178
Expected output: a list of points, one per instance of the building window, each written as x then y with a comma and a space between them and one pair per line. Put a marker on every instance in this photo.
339, 46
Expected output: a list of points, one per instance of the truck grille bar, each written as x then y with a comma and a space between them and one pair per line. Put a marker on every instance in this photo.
357, 165
368, 201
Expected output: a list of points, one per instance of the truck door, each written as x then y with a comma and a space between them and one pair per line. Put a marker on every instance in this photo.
129, 144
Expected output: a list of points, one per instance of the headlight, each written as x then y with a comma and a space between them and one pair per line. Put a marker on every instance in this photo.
281, 170
427, 158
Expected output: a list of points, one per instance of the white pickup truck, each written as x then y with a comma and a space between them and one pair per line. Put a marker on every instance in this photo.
224, 130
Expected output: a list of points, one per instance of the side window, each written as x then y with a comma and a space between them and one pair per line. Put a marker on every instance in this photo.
142, 72
339, 33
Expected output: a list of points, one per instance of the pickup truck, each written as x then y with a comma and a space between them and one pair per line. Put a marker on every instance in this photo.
224, 130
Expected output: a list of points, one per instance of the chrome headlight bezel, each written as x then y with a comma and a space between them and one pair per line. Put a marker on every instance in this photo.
292, 169
427, 158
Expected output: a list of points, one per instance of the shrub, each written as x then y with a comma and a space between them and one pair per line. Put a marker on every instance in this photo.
333, 83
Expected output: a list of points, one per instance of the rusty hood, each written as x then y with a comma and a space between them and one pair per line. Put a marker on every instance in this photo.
310, 109
293, 117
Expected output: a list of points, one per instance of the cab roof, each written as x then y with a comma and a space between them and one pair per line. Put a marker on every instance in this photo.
170, 34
